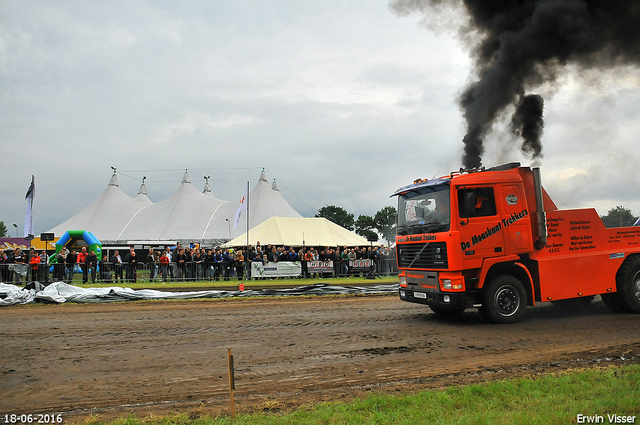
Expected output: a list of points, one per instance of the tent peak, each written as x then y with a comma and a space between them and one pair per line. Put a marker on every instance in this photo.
186, 179
114, 179
263, 176
274, 186
143, 187
207, 189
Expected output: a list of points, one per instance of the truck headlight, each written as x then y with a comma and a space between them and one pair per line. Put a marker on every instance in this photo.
403, 281
451, 284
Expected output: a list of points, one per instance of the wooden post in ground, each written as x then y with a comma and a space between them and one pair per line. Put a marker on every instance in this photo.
232, 382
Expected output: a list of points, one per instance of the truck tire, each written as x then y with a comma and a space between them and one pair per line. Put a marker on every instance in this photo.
446, 312
613, 303
628, 285
504, 300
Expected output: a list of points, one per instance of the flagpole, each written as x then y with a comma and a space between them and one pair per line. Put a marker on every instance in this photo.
28, 221
248, 196
246, 249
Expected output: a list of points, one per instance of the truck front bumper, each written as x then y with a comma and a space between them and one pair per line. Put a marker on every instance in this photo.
443, 299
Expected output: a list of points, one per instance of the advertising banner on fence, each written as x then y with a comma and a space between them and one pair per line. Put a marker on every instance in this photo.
320, 266
360, 264
279, 269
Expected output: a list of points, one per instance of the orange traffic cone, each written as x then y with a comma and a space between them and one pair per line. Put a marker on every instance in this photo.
241, 287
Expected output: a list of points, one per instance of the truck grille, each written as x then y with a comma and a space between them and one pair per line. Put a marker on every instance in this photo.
431, 255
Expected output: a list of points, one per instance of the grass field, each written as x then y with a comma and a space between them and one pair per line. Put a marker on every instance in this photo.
557, 398
144, 283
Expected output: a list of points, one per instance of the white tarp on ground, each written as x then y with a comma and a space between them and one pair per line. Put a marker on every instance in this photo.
60, 292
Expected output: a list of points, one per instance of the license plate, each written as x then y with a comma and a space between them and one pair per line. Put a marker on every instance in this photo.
420, 295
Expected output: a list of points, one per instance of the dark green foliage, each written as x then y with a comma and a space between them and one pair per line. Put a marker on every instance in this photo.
619, 217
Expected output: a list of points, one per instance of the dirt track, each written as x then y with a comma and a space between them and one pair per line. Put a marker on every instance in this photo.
158, 357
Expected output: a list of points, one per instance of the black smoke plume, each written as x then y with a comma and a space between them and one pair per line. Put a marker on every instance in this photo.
527, 123
524, 43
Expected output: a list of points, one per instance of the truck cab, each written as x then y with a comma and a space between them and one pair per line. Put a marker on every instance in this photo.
478, 238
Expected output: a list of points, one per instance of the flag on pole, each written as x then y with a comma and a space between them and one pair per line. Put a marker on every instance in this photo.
28, 221
242, 206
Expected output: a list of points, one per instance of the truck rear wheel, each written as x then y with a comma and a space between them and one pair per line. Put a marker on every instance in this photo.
504, 300
628, 285
612, 301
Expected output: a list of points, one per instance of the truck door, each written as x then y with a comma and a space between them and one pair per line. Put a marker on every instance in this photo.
480, 226
517, 222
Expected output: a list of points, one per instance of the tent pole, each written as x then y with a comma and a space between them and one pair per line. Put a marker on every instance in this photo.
246, 249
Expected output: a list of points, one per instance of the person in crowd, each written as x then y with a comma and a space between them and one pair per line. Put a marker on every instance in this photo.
239, 261
72, 259
34, 262
151, 264
116, 261
179, 259
227, 261
256, 259
352, 256
164, 264
27, 258
308, 256
4, 267
169, 255
156, 259
208, 265
58, 268
91, 262
82, 256
333, 256
271, 254
293, 255
198, 262
131, 261
104, 274
344, 261
187, 271
216, 263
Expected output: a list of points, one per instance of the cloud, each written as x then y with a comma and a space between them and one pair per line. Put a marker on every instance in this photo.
341, 102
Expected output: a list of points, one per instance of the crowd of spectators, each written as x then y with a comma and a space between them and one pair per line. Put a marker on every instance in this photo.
184, 263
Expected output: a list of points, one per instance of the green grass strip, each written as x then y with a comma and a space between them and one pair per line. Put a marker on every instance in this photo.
547, 399
248, 284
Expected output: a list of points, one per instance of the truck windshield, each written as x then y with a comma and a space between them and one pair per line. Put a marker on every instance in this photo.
425, 210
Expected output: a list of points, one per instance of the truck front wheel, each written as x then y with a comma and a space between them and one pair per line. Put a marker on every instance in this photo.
628, 284
504, 300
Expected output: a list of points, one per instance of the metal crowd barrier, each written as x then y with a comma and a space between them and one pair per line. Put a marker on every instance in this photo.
107, 272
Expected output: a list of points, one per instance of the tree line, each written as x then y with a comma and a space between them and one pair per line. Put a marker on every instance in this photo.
383, 223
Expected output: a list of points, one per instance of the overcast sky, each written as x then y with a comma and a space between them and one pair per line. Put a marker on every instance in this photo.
340, 102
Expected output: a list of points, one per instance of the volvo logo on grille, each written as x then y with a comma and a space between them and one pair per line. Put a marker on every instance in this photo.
417, 255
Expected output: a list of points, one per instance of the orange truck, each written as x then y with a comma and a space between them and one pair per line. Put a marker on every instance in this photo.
493, 239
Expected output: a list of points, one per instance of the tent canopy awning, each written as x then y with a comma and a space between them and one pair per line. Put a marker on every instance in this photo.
298, 231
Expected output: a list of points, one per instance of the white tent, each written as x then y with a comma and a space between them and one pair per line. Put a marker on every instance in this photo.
109, 213
186, 216
299, 231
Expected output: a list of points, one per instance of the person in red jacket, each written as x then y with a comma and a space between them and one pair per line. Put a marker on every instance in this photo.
164, 265
35, 262
82, 255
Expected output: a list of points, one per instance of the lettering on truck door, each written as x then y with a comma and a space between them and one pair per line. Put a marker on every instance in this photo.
482, 234
515, 219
